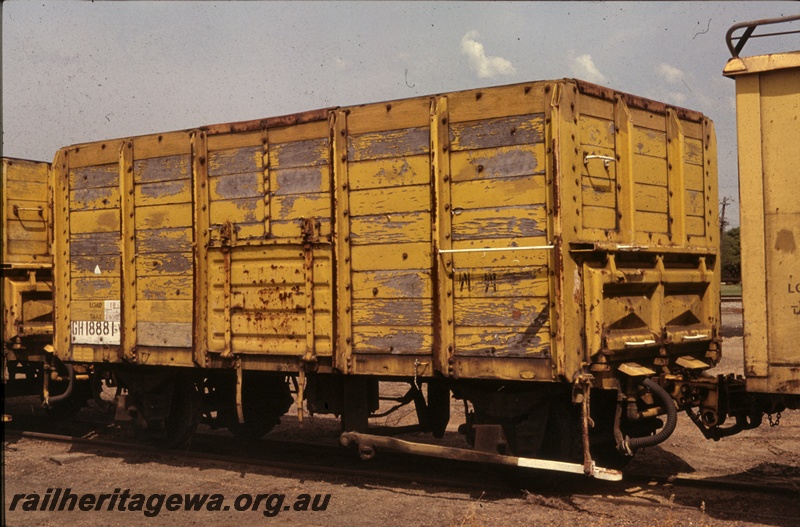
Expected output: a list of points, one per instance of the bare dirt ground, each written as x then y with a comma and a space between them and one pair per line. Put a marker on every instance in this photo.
767, 452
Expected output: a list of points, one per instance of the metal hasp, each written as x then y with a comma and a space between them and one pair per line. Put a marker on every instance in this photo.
368, 443
767, 114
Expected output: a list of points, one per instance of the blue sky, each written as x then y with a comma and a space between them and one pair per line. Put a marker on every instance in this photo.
80, 71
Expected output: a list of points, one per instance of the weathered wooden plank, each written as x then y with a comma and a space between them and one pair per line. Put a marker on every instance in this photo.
499, 222
163, 240
656, 222
162, 145
164, 216
88, 265
597, 132
310, 152
28, 247
94, 243
294, 228
236, 186
596, 107
245, 210
164, 311
693, 177
22, 171
392, 284
519, 341
163, 192
35, 231
393, 312
695, 225
501, 162
482, 193
650, 170
160, 169
274, 297
164, 287
163, 263
493, 133
692, 129
95, 288
94, 221
497, 102
94, 176
271, 273
94, 198
299, 132
389, 143
650, 142
394, 340
599, 218
295, 206
92, 154
390, 172
695, 203
30, 190
272, 324
269, 345
234, 140
393, 115
236, 160
398, 256
504, 311
650, 198
93, 309
650, 120
693, 151
502, 282
392, 200
164, 334
599, 196
390, 228
517, 258
301, 180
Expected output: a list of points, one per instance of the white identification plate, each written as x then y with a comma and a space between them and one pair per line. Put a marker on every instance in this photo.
106, 331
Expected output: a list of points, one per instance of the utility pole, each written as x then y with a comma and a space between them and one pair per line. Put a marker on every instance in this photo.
722, 223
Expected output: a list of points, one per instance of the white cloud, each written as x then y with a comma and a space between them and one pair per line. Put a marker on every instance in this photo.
583, 67
676, 98
670, 73
485, 67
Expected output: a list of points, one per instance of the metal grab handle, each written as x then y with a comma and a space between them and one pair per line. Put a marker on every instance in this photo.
17, 209
606, 159
639, 344
695, 337
749, 27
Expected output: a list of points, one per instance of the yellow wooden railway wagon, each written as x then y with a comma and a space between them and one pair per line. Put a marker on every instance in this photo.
768, 122
27, 270
520, 246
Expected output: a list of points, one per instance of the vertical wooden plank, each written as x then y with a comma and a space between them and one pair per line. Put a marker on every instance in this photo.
444, 330
553, 216
566, 175
625, 179
201, 241
675, 182
341, 232
751, 211
710, 183
267, 188
128, 251
61, 271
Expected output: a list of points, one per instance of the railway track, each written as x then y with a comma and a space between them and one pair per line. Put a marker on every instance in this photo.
329, 457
